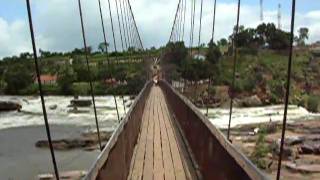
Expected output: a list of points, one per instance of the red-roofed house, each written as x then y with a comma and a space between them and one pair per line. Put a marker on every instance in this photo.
47, 79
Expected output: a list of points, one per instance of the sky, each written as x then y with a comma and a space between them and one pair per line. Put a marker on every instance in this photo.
57, 23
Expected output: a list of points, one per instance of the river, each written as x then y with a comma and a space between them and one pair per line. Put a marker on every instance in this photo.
19, 131
31, 112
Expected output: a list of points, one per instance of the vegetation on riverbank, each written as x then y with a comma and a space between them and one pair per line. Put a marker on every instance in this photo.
117, 73
261, 68
261, 143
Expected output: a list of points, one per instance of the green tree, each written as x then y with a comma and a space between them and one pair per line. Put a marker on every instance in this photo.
66, 77
303, 36
17, 77
213, 55
103, 47
175, 52
223, 42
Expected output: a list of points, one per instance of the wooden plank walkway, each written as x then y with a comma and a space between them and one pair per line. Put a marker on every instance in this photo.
159, 152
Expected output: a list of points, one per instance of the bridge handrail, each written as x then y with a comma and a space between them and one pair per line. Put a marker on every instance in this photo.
183, 119
124, 147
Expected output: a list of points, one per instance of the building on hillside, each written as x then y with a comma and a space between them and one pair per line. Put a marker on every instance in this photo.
114, 82
47, 79
199, 57
110, 81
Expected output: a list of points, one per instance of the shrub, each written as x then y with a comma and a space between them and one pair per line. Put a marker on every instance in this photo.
313, 103
261, 150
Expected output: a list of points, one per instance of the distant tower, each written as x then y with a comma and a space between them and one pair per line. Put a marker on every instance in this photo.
261, 10
279, 16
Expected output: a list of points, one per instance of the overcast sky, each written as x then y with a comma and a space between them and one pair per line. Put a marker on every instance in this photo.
57, 24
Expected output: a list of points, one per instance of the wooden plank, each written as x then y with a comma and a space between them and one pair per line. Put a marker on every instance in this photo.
102, 159
166, 152
158, 170
141, 145
244, 163
177, 161
148, 164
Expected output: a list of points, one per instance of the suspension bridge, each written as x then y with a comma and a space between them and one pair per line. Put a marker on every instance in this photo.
163, 135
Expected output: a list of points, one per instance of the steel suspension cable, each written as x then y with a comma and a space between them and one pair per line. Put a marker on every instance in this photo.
127, 26
105, 42
45, 117
213, 29
130, 32
184, 18
125, 14
293, 11
119, 24
214, 19
89, 72
123, 23
115, 49
174, 23
234, 68
179, 21
200, 27
192, 23
104, 32
135, 25
191, 16
126, 38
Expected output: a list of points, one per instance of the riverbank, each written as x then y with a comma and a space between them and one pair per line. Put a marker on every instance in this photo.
260, 143
21, 159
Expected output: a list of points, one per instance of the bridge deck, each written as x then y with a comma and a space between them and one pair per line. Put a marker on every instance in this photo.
159, 152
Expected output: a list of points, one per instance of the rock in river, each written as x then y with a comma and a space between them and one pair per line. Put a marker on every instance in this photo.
250, 101
87, 141
9, 106
80, 102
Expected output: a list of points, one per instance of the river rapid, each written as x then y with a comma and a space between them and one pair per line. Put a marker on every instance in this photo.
31, 113
60, 114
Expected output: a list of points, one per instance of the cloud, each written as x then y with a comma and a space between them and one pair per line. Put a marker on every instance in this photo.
57, 24
13, 37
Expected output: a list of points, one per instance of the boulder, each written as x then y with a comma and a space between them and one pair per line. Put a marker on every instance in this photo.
87, 141
53, 107
9, 106
306, 149
310, 148
251, 101
287, 151
294, 140
304, 168
80, 102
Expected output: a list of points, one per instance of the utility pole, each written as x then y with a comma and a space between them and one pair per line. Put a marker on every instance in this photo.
279, 16
261, 10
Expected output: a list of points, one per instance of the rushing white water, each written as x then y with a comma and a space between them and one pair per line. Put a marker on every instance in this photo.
220, 117
31, 112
